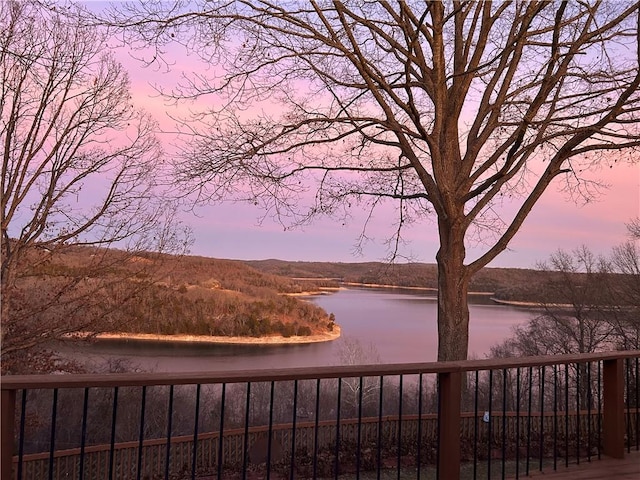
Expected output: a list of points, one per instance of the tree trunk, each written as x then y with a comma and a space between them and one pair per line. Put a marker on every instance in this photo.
453, 286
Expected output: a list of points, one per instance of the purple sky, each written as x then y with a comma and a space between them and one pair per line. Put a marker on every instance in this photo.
232, 230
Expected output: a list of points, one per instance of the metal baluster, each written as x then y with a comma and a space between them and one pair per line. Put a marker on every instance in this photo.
23, 414
566, 415
194, 458
555, 417
337, 452
542, 370
270, 432
475, 427
359, 445
637, 404
518, 379
599, 409
628, 405
490, 425
167, 458
83, 431
578, 413
247, 411
419, 449
530, 406
589, 401
52, 439
379, 452
504, 422
438, 429
221, 430
114, 415
143, 402
398, 457
315, 430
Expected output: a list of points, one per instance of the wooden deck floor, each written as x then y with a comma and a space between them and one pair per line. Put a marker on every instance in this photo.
627, 468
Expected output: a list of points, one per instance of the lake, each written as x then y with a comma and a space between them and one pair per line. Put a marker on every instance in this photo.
391, 326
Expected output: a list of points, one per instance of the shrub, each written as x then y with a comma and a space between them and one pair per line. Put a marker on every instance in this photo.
304, 331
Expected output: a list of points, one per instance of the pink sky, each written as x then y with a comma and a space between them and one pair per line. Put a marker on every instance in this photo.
232, 230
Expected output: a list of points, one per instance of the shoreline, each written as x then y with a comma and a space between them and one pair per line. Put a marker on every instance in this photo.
315, 293
518, 303
401, 287
219, 340
515, 303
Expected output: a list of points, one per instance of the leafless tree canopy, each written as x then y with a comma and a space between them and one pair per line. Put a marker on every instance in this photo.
79, 164
592, 304
443, 107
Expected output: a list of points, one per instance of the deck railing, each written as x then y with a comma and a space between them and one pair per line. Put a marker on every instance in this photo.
486, 418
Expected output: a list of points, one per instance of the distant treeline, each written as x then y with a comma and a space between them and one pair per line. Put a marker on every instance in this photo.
514, 284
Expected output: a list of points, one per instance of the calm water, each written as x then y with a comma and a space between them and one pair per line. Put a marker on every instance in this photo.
398, 325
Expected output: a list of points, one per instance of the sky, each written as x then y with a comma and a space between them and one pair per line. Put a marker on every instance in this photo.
235, 231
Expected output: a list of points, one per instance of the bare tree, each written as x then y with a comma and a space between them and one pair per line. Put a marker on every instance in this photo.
575, 308
625, 293
80, 167
589, 305
358, 392
445, 108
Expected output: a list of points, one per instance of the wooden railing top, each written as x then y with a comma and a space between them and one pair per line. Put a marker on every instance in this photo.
17, 382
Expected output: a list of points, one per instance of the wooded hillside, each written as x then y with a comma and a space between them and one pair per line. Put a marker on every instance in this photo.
163, 294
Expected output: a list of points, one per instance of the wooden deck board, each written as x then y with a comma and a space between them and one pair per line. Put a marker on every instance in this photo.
627, 468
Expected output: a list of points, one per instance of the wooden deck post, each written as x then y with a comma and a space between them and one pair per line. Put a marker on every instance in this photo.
449, 392
7, 419
613, 408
